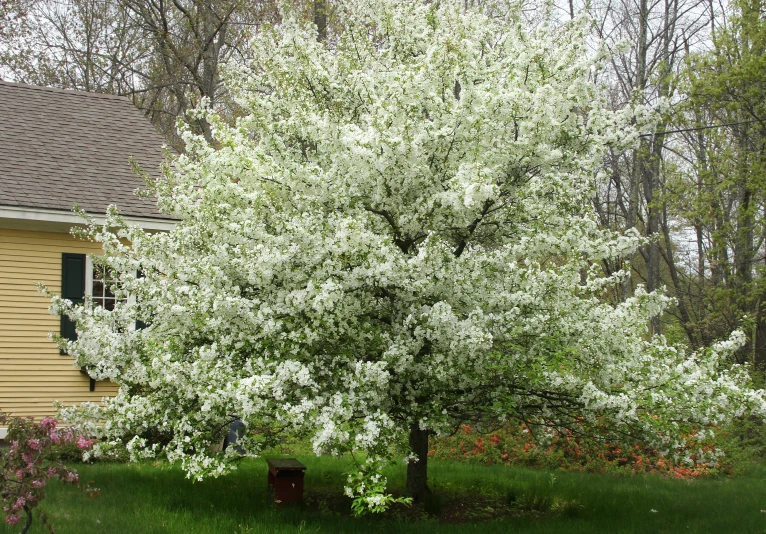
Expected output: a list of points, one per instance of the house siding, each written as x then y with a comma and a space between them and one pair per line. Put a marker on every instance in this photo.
32, 372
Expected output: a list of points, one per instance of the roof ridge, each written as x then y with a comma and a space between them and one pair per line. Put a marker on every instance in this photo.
73, 92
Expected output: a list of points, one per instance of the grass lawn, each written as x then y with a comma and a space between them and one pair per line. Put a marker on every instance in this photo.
146, 499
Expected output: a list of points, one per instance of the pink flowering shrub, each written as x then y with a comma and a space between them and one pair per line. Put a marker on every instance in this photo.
32, 460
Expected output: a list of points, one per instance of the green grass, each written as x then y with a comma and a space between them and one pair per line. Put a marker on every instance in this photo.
147, 499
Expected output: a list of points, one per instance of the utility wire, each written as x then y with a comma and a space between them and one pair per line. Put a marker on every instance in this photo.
698, 128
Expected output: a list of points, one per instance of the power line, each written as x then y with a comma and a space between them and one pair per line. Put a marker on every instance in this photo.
698, 128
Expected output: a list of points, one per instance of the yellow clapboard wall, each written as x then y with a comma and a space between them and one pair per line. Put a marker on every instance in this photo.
32, 372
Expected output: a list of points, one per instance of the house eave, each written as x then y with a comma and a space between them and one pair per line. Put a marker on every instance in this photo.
48, 220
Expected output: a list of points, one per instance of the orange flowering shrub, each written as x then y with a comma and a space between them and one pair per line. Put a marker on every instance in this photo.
512, 444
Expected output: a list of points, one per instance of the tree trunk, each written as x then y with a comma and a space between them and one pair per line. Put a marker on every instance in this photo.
28, 524
759, 356
635, 174
417, 472
320, 19
683, 308
649, 167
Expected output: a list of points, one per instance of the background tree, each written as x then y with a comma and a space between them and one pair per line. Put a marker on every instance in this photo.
78, 44
166, 55
189, 41
719, 189
648, 40
390, 242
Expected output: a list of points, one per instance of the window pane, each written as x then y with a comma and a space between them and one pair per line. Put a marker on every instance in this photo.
100, 272
98, 289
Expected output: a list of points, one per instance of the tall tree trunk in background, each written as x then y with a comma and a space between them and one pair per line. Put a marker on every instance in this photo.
638, 87
650, 154
744, 244
320, 19
650, 169
744, 239
760, 341
211, 54
417, 472
646, 168
683, 308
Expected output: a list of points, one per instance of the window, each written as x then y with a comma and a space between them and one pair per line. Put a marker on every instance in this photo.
98, 284
80, 277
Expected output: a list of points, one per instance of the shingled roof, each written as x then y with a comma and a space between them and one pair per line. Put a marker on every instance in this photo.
59, 148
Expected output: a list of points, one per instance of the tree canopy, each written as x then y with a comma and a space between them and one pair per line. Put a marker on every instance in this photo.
395, 237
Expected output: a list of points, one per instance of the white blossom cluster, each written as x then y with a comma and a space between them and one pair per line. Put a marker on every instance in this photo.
397, 231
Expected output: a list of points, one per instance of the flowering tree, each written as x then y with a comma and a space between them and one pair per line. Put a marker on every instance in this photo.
393, 239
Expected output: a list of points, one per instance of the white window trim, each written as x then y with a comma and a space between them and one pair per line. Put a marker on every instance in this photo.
88, 275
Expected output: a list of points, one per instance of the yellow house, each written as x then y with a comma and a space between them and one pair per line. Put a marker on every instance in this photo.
60, 148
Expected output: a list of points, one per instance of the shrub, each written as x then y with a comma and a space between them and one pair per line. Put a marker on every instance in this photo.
34, 457
512, 444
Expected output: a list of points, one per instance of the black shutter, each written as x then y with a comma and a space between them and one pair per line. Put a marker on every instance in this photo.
72, 288
140, 325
